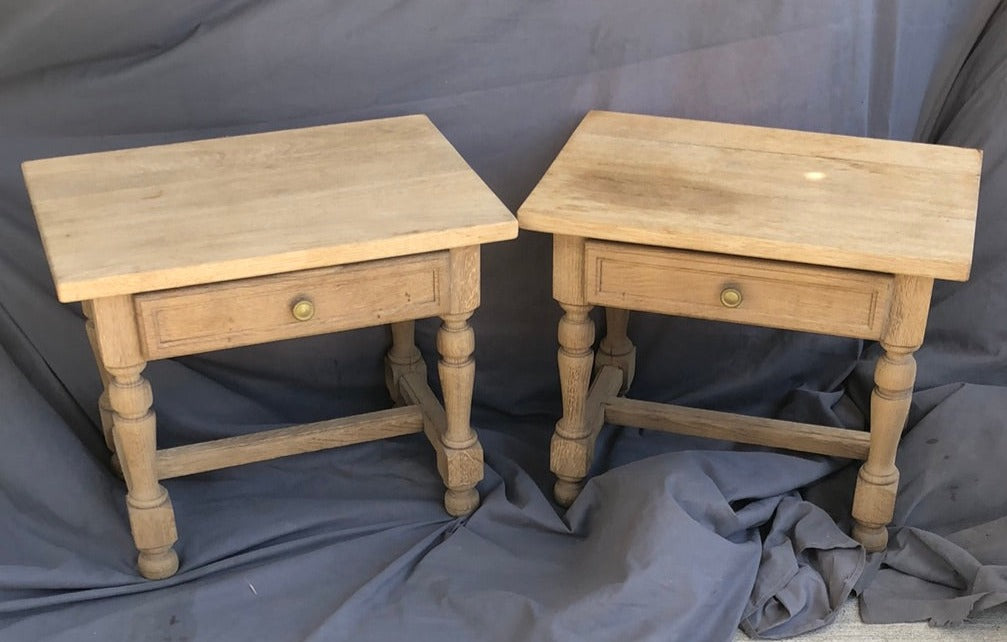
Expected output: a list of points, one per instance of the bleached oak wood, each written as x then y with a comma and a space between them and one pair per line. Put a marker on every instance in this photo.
771, 293
180, 249
290, 440
250, 311
206, 211
457, 369
416, 391
403, 357
568, 269
894, 376
615, 348
575, 358
793, 230
104, 407
460, 468
151, 516
464, 279
776, 433
456, 343
571, 455
760, 192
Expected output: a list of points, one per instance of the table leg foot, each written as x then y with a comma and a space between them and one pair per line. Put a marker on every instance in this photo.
873, 538
459, 502
461, 469
873, 507
157, 564
567, 490
153, 524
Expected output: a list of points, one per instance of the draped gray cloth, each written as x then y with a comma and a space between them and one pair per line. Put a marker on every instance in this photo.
674, 538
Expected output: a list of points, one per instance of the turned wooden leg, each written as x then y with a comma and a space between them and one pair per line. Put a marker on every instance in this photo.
616, 349
894, 376
878, 480
402, 358
572, 447
571, 452
133, 426
150, 512
462, 455
104, 407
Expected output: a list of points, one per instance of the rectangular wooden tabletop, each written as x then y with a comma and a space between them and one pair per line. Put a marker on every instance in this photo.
152, 218
843, 201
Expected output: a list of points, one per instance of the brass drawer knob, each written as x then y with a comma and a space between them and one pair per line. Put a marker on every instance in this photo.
303, 310
730, 297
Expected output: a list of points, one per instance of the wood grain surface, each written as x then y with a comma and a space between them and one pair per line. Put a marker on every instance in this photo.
772, 294
153, 218
776, 433
258, 310
823, 199
283, 442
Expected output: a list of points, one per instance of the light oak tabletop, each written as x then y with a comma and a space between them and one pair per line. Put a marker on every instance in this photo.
824, 199
152, 218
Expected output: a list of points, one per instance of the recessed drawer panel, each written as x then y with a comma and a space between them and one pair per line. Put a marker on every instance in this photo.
294, 304
741, 290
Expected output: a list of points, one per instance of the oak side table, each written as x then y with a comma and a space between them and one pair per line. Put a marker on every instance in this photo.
813, 232
184, 248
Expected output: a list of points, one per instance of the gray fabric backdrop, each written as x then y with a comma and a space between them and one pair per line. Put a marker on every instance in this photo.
674, 538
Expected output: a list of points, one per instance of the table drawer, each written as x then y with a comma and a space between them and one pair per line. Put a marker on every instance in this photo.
295, 304
741, 290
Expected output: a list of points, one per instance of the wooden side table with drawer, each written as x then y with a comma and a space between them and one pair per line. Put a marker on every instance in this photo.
814, 232
184, 248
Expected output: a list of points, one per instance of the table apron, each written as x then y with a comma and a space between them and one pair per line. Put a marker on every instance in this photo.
243, 312
743, 290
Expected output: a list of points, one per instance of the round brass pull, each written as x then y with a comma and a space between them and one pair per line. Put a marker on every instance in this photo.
303, 310
730, 297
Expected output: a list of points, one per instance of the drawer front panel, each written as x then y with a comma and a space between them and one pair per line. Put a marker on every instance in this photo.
296, 304
741, 290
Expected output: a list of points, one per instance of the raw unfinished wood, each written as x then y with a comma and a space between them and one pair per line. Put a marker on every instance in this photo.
568, 269
151, 516
576, 358
464, 279
775, 433
290, 440
104, 407
415, 390
774, 294
180, 249
792, 230
894, 376
170, 216
403, 357
461, 468
615, 348
250, 311
457, 370
570, 455
822, 199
